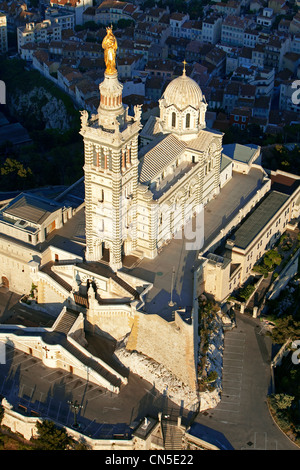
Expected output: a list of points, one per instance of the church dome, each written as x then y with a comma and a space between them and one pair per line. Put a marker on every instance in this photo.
182, 92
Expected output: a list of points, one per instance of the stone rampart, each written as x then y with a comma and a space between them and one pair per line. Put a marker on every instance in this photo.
171, 344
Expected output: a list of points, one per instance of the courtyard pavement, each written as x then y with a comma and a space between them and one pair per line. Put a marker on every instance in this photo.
36, 389
240, 421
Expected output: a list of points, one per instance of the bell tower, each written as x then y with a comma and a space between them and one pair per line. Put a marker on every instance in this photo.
110, 168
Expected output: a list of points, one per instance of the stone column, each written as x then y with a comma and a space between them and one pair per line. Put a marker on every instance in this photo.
115, 260
88, 155
135, 164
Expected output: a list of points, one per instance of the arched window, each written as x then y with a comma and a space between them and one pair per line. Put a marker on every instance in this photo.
173, 119
187, 120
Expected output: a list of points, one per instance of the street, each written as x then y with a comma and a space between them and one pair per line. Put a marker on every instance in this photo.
242, 415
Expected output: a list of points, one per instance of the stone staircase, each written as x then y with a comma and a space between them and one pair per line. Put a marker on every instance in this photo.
47, 269
81, 300
125, 286
172, 436
62, 328
93, 364
66, 322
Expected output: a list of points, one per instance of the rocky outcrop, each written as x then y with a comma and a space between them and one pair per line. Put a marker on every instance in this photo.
163, 380
42, 106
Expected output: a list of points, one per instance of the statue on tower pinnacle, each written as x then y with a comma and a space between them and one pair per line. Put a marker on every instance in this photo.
110, 47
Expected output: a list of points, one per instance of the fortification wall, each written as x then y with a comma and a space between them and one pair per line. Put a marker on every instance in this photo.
170, 344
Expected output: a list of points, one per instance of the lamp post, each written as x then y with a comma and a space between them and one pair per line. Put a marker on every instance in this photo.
171, 303
75, 405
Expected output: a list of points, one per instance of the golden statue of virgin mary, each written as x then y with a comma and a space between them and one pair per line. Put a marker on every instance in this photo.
110, 47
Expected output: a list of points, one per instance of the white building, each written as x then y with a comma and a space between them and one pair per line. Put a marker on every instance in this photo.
176, 22
233, 30
263, 79
211, 29
76, 7
64, 18
38, 32
267, 18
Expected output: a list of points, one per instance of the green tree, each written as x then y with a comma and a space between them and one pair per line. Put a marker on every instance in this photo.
13, 166
246, 291
286, 327
272, 258
282, 401
50, 437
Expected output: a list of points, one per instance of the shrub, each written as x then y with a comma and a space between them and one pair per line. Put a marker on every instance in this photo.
50, 437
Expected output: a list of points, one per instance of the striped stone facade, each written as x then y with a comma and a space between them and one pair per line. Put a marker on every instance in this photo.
138, 199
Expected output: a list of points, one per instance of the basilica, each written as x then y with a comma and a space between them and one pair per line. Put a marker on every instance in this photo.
117, 265
140, 196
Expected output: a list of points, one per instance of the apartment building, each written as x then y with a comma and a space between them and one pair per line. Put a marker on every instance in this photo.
295, 44
154, 33
176, 22
263, 80
274, 50
240, 117
211, 29
38, 32
156, 15
232, 7
258, 55
64, 18
231, 96
111, 11
233, 31
250, 38
192, 30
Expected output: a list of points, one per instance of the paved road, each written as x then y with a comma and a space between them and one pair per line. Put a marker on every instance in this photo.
242, 416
